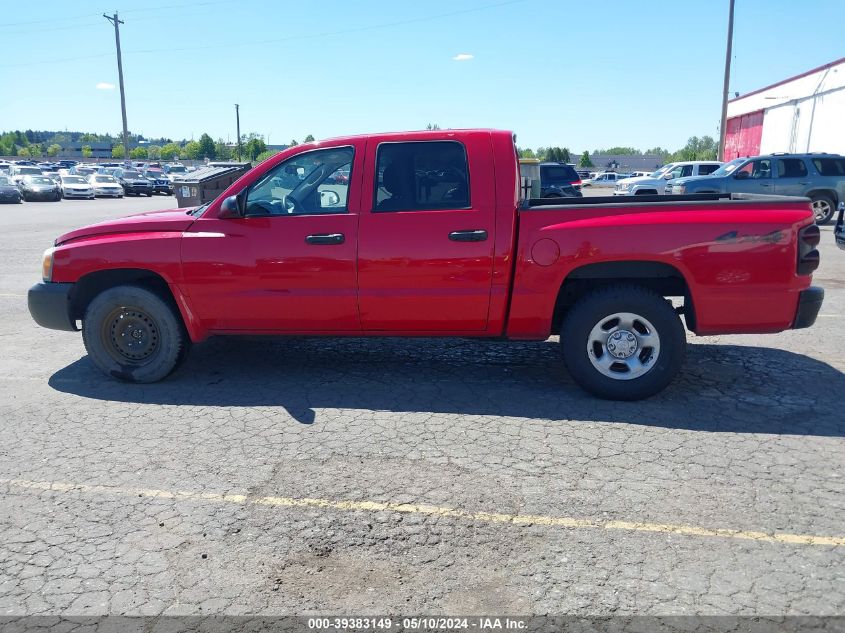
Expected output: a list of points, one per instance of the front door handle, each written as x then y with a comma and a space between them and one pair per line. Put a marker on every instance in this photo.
325, 238
477, 235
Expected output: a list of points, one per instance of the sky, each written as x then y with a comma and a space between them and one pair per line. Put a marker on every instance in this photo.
576, 74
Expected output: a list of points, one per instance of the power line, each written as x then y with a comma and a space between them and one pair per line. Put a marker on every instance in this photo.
254, 43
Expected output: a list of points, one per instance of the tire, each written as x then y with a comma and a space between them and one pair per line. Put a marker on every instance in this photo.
125, 316
636, 370
823, 208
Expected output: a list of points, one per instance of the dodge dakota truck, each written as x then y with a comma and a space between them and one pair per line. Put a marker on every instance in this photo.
426, 235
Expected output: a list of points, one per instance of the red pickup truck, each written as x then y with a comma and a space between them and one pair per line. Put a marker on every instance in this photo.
428, 236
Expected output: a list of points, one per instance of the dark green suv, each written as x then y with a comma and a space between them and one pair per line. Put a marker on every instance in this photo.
819, 177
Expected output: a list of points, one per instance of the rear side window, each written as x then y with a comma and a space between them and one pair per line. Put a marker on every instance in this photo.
791, 168
419, 176
830, 166
558, 173
704, 170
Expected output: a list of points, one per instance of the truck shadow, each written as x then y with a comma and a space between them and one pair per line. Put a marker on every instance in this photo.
723, 388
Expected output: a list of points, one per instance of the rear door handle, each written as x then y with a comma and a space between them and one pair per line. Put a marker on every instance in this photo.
325, 238
477, 235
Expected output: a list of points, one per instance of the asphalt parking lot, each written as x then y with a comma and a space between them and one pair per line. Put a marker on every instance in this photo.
413, 476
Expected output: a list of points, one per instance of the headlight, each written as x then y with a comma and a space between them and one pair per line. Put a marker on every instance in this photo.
681, 188
47, 264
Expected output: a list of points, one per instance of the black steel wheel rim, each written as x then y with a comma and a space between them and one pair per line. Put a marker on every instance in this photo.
130, 335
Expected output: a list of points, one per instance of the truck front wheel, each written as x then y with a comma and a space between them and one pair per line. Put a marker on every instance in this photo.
623, 343
132, 334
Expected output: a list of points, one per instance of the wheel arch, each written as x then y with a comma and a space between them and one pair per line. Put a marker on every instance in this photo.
660, 277
825, 192
92, 284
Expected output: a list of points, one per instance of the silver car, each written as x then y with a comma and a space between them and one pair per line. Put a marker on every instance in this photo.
105, 185
75, 187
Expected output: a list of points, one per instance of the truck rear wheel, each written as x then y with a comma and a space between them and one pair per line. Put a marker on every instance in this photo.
132, 334
623, 343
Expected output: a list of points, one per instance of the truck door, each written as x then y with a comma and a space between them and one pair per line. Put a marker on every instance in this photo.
755, 176
793, 179
426, 234
289, 264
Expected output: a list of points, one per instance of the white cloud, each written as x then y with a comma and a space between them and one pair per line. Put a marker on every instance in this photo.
463, 57
104, 85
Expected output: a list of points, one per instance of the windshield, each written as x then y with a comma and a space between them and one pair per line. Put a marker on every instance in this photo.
73, 180
132, 174
104, 179
176, 169
29, 170
727, 168
40, 180
155, 174
4, 182
661, 171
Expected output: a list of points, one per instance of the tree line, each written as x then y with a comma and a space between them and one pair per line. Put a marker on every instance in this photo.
40, 144
696, 148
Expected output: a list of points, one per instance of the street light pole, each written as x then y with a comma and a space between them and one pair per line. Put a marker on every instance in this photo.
238, 122
117, 23
724, 123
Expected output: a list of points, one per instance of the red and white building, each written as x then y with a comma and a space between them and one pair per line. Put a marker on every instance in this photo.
805, 113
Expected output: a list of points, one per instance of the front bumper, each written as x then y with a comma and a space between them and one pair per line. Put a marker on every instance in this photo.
145, 189
809, 305
71, 193
49, 305
114, 193
168, 189
42, 195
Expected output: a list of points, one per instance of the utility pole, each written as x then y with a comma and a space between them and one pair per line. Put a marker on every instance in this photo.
238, 122
117, 23
724, 124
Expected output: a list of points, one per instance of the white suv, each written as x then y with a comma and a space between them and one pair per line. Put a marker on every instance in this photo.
654, 183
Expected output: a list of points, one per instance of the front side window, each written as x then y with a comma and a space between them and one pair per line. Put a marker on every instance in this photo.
756, 169
306, 184
791, 168
419, 176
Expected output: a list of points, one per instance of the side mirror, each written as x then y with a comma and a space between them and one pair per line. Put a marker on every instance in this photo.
742, 175
329, 199
230, 209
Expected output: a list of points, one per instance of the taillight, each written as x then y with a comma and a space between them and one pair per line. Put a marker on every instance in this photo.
808, 256
577, 184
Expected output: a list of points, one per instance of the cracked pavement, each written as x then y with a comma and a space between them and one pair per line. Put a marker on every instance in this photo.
749, 438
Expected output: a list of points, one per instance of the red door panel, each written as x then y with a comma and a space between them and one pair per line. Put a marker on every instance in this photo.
411, 275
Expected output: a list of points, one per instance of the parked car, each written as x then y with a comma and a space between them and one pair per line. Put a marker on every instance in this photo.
602, 179
9, 191
161, 183
655, 182
819, 177
75, 187
270, 260
39, 188
133, 182
839, 229
559, 180
82, 170
18, 172
105, 186
175, 170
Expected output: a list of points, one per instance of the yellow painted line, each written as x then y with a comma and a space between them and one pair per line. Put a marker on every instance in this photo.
431, 510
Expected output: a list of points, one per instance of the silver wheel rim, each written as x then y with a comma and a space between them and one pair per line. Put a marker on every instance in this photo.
821, 208
623, 346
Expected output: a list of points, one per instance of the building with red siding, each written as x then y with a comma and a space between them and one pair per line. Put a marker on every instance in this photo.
805, 113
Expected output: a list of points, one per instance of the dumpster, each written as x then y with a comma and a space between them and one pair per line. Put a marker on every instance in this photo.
206, 183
